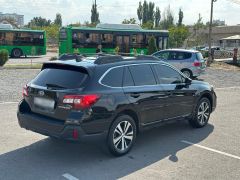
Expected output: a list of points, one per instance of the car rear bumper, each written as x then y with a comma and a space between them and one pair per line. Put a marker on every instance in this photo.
56, 128
198, 71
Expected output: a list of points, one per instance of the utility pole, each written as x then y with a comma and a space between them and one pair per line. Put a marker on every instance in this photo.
210, 55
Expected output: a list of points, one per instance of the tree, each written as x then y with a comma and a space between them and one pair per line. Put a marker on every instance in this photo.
95, 14
151, 11
152, 46
58, 19
140, 12
177, 36
180, 17
39, 21
168, 19
145, 12
9, 20
157, 17
129, 21
199, 24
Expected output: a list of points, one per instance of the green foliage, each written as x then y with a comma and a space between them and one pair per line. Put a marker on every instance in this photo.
168, 19
148, 25
152, 46
52, 31
180, 17
3, 56
157, 17
94, 14
140, 12
177, 36
129, 21
199, 24
58, 19
39, 21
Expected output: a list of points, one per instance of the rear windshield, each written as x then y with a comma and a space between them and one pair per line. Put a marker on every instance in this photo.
61, 78
199, 56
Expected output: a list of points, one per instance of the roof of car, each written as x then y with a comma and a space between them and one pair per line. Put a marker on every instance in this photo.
90, 62
181, 50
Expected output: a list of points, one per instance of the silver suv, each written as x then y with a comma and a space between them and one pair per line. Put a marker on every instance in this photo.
190, 62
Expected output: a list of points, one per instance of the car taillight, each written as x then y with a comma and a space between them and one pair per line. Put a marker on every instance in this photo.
81, 101
197, 64
25, 91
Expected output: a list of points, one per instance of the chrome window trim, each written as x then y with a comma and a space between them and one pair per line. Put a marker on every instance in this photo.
128, 65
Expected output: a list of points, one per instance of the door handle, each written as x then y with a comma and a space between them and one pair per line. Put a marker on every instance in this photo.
135, 95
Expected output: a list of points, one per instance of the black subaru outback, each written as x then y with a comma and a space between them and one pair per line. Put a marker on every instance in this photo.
113, 98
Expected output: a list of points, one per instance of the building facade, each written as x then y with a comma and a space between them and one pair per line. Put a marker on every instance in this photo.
17, 17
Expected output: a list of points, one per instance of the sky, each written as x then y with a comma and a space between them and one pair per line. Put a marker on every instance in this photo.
114, 11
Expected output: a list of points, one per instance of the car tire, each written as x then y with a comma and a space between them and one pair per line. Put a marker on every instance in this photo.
187, 73
122, 135
16, 53
202, 114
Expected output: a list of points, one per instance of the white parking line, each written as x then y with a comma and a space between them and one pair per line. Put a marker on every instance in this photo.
8, 103
69, 176
213, 150
234, 87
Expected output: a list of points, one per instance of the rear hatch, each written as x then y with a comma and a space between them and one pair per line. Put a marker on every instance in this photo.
47, 90
201, 60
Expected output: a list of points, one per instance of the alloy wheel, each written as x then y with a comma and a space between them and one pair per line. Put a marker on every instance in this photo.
203, 113
123, 135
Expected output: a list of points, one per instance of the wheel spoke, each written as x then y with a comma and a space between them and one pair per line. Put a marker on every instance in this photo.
123, 143
119, 128
116, 140
128, 137
127, 125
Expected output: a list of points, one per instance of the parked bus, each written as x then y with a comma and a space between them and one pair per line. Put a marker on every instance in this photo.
125, 39
20, 42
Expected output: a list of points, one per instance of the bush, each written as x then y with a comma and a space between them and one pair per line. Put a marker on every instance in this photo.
3, 56
152, 46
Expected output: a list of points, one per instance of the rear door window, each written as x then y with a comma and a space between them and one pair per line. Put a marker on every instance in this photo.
61, 78
113, 78
142, 75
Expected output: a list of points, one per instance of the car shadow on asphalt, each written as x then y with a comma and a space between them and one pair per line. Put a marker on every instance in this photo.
49, 159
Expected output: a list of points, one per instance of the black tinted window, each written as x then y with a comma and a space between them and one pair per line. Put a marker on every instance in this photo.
142, 75
167, 75
127, 81
114, 77
179, 55
64, 78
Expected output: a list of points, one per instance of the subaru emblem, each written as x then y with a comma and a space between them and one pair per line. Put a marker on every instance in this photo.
41, 93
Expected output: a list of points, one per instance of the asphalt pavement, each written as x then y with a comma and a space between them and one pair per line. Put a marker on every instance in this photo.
173, 151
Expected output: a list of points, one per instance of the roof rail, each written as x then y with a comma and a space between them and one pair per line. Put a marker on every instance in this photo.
105, 59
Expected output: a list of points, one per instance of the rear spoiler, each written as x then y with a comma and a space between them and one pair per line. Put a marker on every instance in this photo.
66, 66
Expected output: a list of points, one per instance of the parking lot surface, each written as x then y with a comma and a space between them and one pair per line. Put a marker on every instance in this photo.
166, 152
174, 151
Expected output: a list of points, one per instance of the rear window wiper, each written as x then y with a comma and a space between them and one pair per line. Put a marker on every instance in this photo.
55, 86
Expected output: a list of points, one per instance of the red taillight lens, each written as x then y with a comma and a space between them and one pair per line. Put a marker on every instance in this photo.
25, 91
197, 64
81, 101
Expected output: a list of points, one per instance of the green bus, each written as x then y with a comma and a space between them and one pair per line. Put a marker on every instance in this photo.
113, 38
21, 42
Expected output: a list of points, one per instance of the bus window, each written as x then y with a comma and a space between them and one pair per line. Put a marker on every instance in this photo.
137, 41
92, 40
107, 40
63, 34
2, 38
9, 38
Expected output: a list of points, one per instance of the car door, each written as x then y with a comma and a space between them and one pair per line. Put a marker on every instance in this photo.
142, 91
181, 99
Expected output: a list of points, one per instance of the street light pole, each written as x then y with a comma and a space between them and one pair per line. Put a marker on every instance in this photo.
210, 55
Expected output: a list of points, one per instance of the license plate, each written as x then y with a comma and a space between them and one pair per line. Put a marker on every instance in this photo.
45, 104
